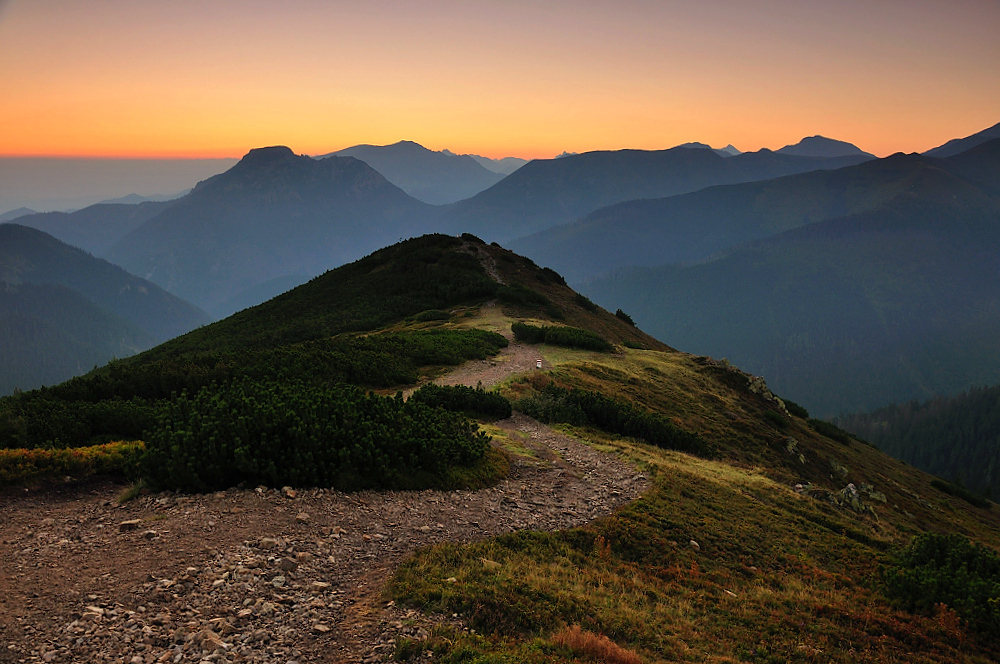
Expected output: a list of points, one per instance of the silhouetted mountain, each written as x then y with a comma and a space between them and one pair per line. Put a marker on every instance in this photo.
728, 151
504, 165
958, 145
64, 311
96, 228
273, 215
15, 214
432, 177
897, 301
548, 192
135, 199
692, 227
820, 146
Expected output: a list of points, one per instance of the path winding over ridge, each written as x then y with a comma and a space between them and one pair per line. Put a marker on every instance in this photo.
264, 575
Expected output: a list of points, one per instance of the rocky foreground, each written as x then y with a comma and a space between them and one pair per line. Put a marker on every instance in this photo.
260, 575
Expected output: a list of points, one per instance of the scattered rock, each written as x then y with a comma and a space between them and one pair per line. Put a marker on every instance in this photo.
131, 524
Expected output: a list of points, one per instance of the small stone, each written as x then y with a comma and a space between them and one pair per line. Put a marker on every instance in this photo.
302, 517
131, 524
695, 545
451, 579
321, 628
288, 565
319, 586
150, 534
279, 582
289, 492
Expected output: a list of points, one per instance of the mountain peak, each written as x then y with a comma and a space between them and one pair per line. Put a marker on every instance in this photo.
821, 146
269, 154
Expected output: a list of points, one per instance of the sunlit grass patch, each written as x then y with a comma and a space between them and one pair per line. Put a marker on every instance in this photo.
19, 465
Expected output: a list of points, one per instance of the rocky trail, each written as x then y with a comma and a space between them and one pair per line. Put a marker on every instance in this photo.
265, 575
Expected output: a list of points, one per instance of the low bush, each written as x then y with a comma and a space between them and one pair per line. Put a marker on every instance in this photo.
595, 647
582, 408
17, 465
431, 315
830, 430
777, 419
584, 302
520, 295
624, 317
950, 570
961, 492
473, 401
795, 409
569, 337
304, 435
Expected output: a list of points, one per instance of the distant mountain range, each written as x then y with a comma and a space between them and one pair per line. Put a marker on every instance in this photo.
14, 214
959, 145
63, 311
432, 177
692, 227
728, 151
893, 295
504, 165
274, 218
548, 192
95, 228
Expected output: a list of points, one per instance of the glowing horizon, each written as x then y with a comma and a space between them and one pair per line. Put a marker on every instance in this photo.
141, 79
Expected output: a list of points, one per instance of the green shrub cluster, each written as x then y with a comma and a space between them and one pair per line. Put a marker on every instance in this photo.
583, 408
473, 401
830, 431
431, 315
305, 435
795, 409
951, 570
584, 302
777, 419
520, 295
961, 492
119, 403
570, 337
624, 317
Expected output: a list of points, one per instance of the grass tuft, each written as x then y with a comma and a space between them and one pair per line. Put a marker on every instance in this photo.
595, 647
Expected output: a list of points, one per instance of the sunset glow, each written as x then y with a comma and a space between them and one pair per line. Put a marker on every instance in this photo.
216, 78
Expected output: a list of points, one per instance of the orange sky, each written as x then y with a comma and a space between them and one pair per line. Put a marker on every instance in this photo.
214, 78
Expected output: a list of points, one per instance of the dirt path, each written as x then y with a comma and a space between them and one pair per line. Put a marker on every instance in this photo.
264, 575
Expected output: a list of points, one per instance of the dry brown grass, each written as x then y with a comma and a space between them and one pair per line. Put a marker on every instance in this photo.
596, 647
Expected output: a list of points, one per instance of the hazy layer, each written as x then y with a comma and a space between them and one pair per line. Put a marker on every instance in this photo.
45, 185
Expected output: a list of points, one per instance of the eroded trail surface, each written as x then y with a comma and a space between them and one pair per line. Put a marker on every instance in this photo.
263, 575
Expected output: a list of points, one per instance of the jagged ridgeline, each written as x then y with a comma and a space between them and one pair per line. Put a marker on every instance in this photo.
276, 394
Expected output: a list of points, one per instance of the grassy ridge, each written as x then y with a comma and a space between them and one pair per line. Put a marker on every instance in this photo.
747, 592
